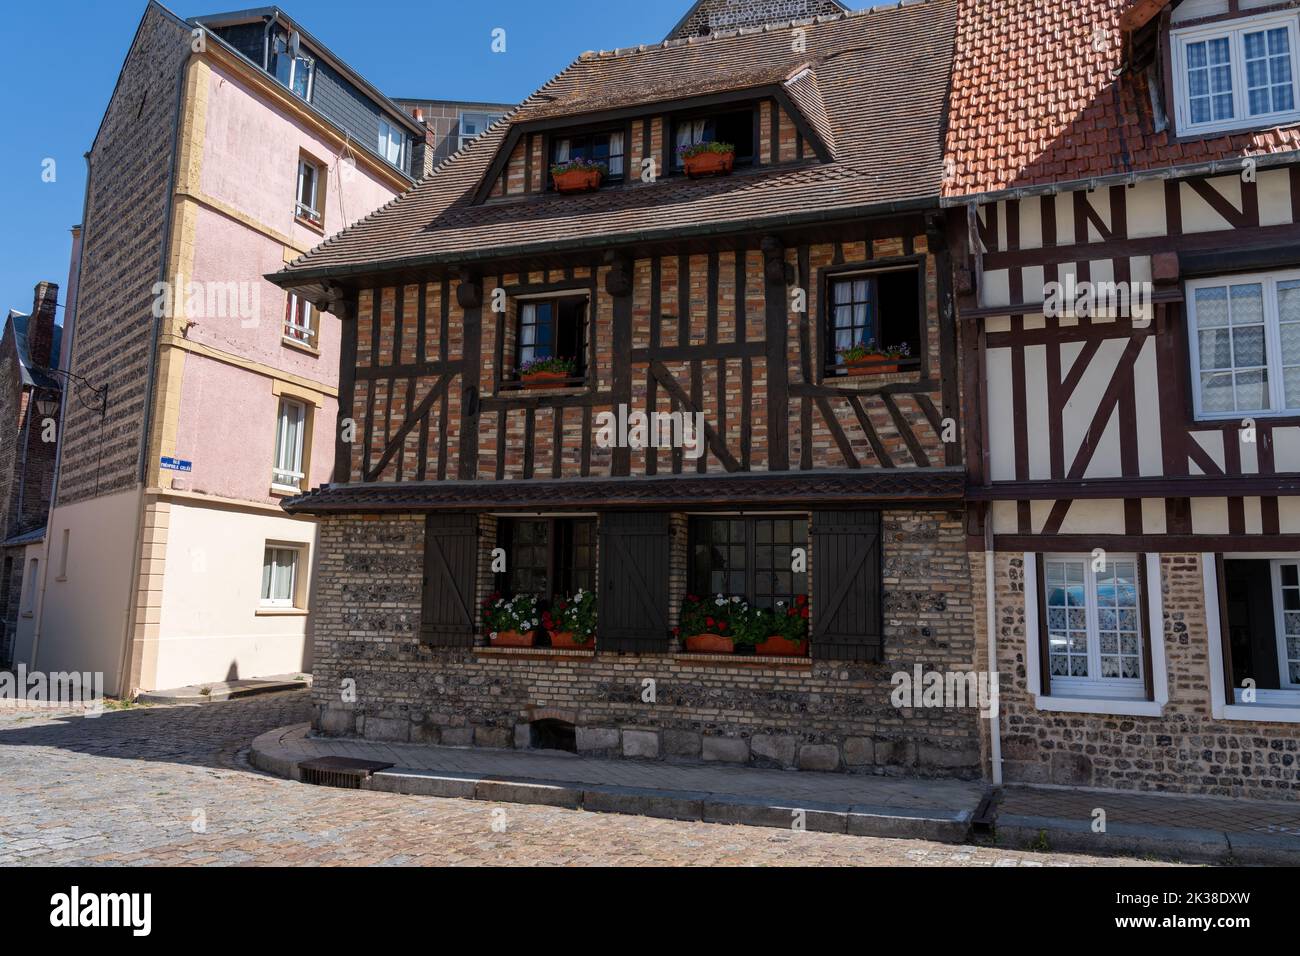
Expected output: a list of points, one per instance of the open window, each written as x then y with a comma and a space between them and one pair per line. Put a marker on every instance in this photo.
290, 63
310, 205
605, 147
874, 313
392, 142
750, 558
550, 342
734, 126
301, 323
1263, 628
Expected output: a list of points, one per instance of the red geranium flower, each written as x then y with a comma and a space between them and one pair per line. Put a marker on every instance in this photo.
710, 622
805, 612
722, 625
801, 600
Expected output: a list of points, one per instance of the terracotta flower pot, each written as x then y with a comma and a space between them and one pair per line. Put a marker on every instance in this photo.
871, 365
709, 164
513, 639
568, 641
778, 646
710, 644
545, 379
577, 180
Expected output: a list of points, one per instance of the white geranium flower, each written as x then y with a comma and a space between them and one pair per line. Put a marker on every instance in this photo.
735, 600
493, 635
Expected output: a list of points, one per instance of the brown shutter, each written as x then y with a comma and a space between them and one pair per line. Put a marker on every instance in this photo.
448, 613
634, 563
846, 602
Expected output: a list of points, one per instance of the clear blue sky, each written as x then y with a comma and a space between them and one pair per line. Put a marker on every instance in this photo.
63, 57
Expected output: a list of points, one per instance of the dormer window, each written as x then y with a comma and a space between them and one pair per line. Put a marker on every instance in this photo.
731, 126
606, 147
290, 63
1236, 74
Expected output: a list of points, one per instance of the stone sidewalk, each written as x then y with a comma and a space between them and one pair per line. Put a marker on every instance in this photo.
1188, 829
909, 807
1202, 829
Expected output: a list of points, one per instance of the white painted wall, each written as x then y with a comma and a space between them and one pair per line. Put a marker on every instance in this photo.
83, 618
209, 626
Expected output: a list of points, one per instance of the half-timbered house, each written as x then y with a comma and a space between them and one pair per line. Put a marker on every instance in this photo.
721, 300
1124, 180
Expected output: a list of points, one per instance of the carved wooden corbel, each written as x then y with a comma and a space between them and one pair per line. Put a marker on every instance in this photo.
618, 281
337, 301
469, 291
775, 268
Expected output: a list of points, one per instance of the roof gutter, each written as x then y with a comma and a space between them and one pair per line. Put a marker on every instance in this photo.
287, 279
1213, 168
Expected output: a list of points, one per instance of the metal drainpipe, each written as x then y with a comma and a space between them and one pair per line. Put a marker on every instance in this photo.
990, 626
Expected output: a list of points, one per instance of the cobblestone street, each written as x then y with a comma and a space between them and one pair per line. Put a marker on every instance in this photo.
170, 786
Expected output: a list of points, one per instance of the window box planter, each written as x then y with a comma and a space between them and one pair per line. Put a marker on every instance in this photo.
871, 365
577, 181
513, 639
709, 164
778, 646
545, 379
710, 644
568, 641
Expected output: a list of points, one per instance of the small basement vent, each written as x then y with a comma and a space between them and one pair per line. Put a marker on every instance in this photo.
346, 773
550, 734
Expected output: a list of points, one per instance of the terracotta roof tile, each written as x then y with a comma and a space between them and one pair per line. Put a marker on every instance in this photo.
1035, 100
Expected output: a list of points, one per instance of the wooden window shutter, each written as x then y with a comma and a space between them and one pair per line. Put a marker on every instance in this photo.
634, 567
448, 613
847, 613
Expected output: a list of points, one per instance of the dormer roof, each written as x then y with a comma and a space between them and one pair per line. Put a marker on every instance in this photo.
868, 90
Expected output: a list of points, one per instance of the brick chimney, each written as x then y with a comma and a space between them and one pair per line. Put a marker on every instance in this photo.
40, 327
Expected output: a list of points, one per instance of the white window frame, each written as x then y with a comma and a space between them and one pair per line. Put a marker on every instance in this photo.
1278, 706
389, 134
1153, 631
308, 61
1286, 685
267, 591
292, 468
1120, 688
300, 321
463, 138
1234, 31
1272, 345
308, 210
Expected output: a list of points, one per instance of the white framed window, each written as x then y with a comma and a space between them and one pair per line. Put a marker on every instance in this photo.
309, 191
473, 124
1244, 336
291, 427
1094, 626
291, 65
1286, 613
280, 576
300, 321
1237, 74
391, 140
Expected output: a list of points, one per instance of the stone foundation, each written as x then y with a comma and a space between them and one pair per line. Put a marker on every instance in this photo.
1184, 751
759, 712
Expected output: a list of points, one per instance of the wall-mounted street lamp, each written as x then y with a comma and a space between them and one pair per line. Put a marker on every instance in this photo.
47, 402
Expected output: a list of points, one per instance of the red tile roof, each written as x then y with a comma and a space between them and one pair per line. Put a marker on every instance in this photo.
1035, 100
876, 95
